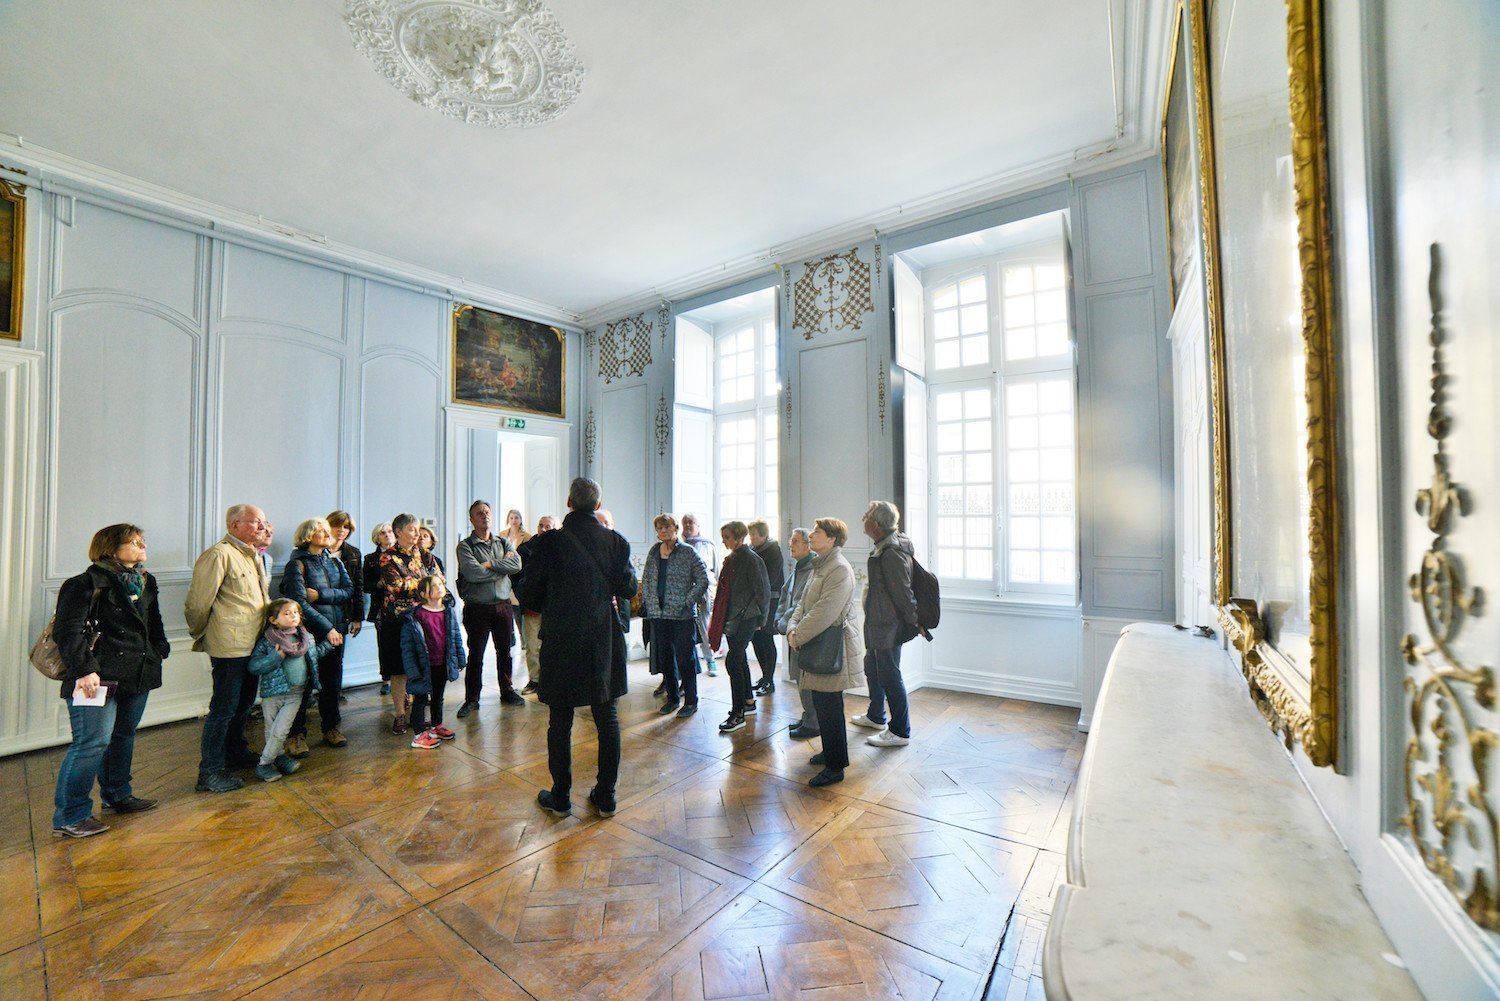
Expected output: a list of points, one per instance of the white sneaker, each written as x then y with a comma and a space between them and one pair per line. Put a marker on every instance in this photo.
887, 739
866, 722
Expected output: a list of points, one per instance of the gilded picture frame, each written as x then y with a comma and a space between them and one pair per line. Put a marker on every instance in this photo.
1286, 634
1179, 165
12, 258
508, 363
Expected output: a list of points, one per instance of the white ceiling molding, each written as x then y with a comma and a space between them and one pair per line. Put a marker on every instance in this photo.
1144, 31
59, 173
494, 63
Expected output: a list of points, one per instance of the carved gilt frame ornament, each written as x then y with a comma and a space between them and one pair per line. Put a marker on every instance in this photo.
1299, 701
495, 63
13, 204
832, 294
1450, 802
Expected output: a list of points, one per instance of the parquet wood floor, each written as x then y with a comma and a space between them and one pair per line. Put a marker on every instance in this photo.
382, 871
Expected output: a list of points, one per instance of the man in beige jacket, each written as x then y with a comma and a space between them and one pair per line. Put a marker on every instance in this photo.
226, 607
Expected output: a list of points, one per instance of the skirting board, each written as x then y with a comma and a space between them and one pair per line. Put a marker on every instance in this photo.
1447, 955
158, 711
1005, 686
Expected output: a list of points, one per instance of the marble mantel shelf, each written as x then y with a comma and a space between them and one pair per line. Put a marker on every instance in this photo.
1199, 865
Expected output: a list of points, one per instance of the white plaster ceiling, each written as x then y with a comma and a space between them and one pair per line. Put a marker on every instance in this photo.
707, 130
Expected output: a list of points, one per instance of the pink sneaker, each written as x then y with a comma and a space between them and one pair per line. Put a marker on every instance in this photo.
444, 732
426, 740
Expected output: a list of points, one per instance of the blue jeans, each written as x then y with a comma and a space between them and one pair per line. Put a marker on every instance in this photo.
103, 743
883, 676
235, 689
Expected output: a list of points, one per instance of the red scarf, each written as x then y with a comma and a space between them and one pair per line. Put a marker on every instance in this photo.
721, 602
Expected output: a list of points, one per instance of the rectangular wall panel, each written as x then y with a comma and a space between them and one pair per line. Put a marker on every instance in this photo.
267, 288
124, 417
1132, 485
402, 463
104, 252
833, 398
623, 461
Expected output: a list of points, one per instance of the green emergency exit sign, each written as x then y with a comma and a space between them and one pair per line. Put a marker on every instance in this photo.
513, 423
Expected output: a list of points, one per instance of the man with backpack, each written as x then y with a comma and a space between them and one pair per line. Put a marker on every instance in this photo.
890, 620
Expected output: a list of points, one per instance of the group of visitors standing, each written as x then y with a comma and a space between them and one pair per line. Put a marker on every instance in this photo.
570, 587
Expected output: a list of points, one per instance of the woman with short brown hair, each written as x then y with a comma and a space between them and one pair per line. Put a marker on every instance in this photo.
110, 636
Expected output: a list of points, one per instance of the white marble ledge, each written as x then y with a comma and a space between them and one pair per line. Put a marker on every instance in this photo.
1199, 866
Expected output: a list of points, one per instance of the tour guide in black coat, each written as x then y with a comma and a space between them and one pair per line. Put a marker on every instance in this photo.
573, 577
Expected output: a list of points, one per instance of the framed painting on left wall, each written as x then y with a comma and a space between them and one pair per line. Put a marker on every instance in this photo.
12, 252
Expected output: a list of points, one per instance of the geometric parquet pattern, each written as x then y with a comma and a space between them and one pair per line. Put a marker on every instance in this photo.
379, 871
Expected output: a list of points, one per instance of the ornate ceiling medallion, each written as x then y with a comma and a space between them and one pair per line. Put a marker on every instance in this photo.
497, 63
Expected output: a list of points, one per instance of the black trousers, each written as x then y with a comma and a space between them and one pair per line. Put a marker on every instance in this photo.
419, 703
560, 750
235, 688
764, 643
331, 680
481, 624
738, 666
830, 709
672, 658
388, 648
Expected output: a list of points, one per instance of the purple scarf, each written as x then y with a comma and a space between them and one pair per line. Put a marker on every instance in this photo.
291, 642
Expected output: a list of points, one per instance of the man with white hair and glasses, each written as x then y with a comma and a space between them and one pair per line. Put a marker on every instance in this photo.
225, 611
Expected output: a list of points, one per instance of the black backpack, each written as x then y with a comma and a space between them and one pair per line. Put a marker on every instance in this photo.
924, 587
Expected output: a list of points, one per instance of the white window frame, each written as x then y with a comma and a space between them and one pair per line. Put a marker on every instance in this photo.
998, 375
761, 406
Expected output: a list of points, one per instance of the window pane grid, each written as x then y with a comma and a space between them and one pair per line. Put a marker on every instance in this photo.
964, 453
1034, 311
1039, 466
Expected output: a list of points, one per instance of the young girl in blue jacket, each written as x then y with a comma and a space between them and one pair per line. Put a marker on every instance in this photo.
285, 659
432, 654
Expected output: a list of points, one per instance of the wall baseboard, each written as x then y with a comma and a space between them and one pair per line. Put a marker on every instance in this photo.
1005, 686
1448, 956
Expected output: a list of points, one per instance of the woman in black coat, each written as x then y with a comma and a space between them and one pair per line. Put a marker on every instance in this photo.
109, 632
763, 641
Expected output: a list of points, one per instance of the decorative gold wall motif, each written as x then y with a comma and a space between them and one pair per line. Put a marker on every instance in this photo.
1450, 807
664, 322
590, 439
625, 348
832, 294
1297, 706
663, 427
880, 394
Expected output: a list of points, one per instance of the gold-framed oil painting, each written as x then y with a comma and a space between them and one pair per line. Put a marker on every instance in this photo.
1179, 163
12, 258
1258, 84
508, 363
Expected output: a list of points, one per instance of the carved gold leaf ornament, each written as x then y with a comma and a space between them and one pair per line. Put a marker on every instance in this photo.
663, 427
1450, 810
590, 438
832, 294
1302, 708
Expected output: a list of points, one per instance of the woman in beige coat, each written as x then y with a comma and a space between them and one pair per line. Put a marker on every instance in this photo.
830, 602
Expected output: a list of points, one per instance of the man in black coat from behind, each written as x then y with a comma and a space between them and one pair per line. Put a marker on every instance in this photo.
575, 577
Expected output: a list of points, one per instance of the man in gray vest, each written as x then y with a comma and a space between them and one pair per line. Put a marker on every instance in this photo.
485, 563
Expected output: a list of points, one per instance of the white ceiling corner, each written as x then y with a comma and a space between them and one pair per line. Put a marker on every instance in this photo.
707, 142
